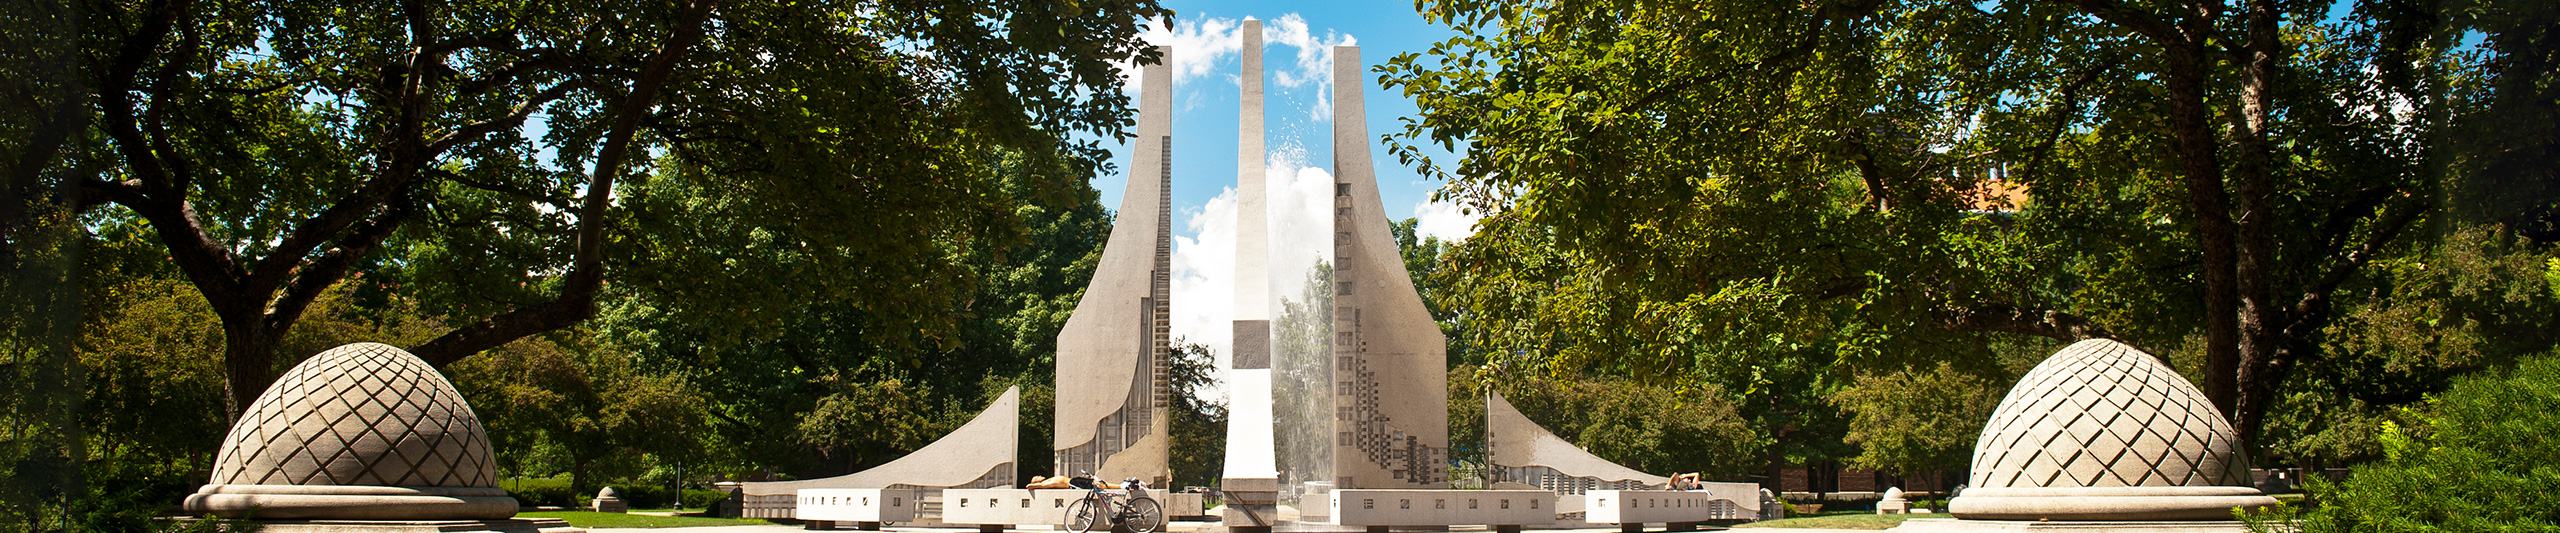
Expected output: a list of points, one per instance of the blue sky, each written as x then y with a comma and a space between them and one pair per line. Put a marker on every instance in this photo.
1297, 131
1205, 104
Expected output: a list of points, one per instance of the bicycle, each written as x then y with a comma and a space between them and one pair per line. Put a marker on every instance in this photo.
1140, 514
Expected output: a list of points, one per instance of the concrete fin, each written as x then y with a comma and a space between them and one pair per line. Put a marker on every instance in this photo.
977, 453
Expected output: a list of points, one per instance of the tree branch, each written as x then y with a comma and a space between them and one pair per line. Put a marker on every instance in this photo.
2007, 318
314, 278
577, 300
513, 118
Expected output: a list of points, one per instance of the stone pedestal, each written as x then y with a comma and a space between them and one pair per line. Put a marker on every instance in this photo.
1893, 503
1252, 505
609, 501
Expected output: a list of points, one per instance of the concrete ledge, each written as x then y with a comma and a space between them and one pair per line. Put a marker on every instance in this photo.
2106, 503
351, 502
522, 525
871, 506
1737, 502
1400, 507
1013, 507
1949, 525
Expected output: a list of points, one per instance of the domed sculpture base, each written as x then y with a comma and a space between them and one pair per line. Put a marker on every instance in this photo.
351, 502
355, 508
1949, 525
514, 525
2105, 503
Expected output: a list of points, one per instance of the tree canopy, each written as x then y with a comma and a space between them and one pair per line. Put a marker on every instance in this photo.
1730, 189
512, 162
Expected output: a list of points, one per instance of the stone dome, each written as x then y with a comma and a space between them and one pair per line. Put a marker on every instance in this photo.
2103, 414
363, 419
360, 414
2099, 431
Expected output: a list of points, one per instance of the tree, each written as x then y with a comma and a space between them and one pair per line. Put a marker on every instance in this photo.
485, 150
1654, 429
1917, 421
1199, 426
2477, 459
1703, 187
766, 377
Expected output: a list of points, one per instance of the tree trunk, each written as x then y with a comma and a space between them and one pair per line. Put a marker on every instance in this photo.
248, 358
2188, 71
578, 479
2261, 319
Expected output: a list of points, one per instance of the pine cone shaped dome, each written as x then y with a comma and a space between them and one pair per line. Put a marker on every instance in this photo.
2103, 432
360, 414
363, 431
2103, 414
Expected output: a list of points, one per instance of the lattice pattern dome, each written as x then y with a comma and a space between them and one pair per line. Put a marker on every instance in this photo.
2103, 414
360, 414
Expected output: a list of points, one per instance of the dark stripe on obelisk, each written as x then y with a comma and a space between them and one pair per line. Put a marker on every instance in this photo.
1252, 345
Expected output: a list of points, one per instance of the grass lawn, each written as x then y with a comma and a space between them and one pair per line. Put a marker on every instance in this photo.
590, 519
1845, 520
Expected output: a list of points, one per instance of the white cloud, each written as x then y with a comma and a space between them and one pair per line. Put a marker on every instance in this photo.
1198, 46
1204, 278
1204, 262
1450, 222
1314, 59
1301, 218
1201, 46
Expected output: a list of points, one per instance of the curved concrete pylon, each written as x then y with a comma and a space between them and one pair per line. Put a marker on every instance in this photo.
1392, 369
1512, 440
1114, 353
978, 455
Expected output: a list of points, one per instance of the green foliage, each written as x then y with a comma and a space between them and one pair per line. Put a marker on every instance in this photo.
2482, 460
1777, 196
552, 407
1646, 427
799, 396
1199, 426
541, 492
2552, 275
2474, 301
1917, 420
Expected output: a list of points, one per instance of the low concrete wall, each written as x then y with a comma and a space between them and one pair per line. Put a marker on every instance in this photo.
1718, 502
1044, 506
1397, 507
868, 507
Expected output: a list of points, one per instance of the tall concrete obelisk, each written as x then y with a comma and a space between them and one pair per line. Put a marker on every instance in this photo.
1391, 363
1114, 353
1251, 482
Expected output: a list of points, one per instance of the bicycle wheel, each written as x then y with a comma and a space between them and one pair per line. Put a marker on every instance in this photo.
1082, 517
1143, 515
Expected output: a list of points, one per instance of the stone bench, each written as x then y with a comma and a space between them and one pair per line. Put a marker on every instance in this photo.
1677, 510
1502, 510
994, 510
865, 508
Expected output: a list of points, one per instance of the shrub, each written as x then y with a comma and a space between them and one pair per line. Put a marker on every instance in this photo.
541, 492
658, 497
2488, 459
702, 498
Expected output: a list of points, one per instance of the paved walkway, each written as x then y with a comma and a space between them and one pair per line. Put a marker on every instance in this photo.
1178, 527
